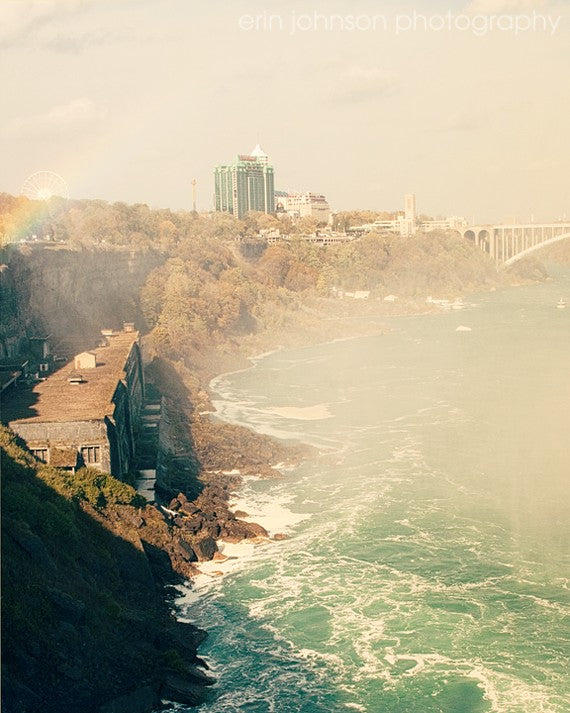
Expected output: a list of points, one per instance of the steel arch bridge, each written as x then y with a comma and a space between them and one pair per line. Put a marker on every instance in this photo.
505, 244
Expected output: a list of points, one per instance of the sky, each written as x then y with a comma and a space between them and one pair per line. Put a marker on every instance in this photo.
465, 103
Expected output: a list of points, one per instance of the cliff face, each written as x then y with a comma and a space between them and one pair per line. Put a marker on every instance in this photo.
70, 294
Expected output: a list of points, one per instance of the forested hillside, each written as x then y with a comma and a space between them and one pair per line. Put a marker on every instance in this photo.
215, 279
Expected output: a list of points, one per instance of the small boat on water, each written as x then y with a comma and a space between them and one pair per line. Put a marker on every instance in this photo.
561, 303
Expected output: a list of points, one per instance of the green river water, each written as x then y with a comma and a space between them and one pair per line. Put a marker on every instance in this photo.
427, 565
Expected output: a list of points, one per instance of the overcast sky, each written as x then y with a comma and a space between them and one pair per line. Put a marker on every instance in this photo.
131, 99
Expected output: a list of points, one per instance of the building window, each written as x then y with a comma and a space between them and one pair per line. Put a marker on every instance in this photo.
91, 454
41, 454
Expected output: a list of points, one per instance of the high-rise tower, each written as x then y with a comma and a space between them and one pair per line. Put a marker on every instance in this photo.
409, 223
410, 207
246, 184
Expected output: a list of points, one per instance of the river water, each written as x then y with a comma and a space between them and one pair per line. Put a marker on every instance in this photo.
427, 565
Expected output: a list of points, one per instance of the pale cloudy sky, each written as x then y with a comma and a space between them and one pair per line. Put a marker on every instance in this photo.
131, 99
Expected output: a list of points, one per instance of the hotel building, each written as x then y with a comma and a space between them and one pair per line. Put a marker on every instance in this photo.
246, 184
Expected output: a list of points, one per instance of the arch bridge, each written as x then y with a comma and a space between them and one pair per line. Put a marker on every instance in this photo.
505, 244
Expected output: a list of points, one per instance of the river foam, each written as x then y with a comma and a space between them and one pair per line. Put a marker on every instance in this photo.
423, 571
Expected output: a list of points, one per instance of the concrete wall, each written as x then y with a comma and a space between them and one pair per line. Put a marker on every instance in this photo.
69, 434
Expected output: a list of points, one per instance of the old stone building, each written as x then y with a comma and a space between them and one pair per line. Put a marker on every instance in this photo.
87, 412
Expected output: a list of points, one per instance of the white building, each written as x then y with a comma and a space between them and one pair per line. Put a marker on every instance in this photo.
300, 205
452, 223
408, 223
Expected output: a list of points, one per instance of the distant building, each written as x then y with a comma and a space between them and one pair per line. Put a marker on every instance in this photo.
300, 205
281, 201
451, 223
407, 224
87, 412
246, 184
410, 207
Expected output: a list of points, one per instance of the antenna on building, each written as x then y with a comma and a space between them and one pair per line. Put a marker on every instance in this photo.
194, 182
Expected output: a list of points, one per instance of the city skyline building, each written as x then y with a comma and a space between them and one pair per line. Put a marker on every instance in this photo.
247, 184
300, 205
408, 226
408, 223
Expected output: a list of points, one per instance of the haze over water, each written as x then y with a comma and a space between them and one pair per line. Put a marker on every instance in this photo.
427, 565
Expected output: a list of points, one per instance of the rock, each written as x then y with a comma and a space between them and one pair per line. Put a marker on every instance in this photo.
193, 673
141, 700
193, 524
240, 514
237, 530
205, 548
186, 634
280, 536
213, 530
129, 515
188, 509
185, 550
160, 563
180, 690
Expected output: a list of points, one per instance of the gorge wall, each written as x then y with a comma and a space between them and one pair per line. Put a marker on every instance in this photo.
69, 294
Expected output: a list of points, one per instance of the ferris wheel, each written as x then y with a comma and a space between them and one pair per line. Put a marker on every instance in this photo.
43, 185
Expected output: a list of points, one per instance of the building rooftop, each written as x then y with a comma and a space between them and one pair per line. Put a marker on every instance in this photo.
57, 399
259, 153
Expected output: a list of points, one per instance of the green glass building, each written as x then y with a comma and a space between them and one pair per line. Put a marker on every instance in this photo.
247, 184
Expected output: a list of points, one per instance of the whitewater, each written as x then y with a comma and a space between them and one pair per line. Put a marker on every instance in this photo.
425, 568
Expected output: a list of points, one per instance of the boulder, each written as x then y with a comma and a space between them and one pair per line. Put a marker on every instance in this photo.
192, 524
185, 550
160, 563
188, 509
193, 673
205, 548
237, 530
181, 690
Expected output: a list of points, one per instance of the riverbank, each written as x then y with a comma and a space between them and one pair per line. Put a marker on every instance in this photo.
395, 593
223, 453
221, 447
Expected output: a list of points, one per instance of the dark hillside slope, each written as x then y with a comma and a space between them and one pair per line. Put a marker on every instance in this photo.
84, 619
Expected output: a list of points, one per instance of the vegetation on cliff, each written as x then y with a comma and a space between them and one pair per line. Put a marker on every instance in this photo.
213, 281
83, 619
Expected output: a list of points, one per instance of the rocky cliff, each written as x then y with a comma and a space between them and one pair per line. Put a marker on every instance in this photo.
69, 294
85, 625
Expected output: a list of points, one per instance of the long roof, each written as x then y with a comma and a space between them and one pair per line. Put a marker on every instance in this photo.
58, 400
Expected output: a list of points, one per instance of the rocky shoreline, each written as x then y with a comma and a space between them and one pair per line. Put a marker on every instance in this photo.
167, 543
